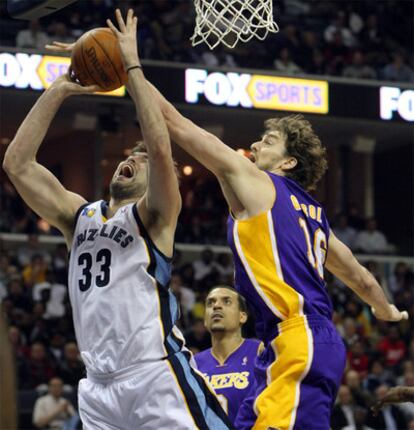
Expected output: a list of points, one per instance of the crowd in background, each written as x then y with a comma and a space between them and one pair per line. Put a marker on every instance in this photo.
202, 219
357, 39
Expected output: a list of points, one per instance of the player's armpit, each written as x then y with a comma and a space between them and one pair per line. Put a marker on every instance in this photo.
46, 196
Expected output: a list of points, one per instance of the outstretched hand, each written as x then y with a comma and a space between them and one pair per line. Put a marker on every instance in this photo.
67, 85
393, 314
60, 47
127, 37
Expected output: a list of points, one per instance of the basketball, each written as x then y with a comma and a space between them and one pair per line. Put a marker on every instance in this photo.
96, 60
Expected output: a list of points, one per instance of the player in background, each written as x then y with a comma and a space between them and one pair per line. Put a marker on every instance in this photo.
138, 372
281, 240
229, 364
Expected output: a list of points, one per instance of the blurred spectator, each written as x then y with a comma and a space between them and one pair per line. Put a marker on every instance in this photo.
355, 219
35, 272
336, 55
360, 416
360, 395
285, 64
377, 376
52, 295
18, 297
389, 417
338, 27
358, 359
60, 264
307, 50
185, 296
31, 248
398, 70
343, 411
399, 277
204, 265
224, 265
359, 69
60, 32
53, 411
55, 349
371, 240
33, 37
350, 332
344, 232
392, 347
71, 368
371, 35
39, 367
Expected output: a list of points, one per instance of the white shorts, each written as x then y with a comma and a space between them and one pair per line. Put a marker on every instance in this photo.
167, 394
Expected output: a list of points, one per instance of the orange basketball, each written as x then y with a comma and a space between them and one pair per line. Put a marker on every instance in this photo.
96, 60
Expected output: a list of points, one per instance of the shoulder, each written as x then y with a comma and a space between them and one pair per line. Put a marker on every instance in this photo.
252, 345
202, 357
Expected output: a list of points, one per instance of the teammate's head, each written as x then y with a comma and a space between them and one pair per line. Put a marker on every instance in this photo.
131, 176
289, 146
226, 310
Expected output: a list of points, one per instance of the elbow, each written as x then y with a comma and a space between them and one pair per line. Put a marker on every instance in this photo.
12, 162
9, 163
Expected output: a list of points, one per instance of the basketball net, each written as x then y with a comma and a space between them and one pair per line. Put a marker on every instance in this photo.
230, 21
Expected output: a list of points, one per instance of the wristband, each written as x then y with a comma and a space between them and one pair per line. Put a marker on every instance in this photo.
133, 67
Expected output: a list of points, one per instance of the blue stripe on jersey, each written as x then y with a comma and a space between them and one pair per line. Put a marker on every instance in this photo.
212, 419
162, 272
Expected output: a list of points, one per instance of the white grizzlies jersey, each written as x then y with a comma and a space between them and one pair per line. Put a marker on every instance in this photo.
123, 310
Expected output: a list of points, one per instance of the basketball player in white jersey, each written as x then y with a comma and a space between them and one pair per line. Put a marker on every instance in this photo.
138, 372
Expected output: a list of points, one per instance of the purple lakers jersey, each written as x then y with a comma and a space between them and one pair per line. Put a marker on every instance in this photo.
279, 258
232, 380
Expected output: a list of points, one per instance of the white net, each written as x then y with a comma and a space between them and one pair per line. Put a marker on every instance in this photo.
228, 21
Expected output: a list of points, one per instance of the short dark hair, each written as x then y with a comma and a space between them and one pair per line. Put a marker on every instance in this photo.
303, 144
242, 301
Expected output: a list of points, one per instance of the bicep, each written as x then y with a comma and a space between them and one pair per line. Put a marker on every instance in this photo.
46, 196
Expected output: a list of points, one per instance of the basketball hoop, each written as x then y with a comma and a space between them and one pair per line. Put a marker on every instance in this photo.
228, 21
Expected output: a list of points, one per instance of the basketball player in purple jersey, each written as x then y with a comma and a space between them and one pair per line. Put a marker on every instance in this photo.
280, 239
229, 363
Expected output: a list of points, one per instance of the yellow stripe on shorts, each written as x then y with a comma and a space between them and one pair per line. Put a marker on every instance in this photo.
278, 403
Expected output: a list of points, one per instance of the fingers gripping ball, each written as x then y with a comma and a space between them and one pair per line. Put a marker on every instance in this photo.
96, 60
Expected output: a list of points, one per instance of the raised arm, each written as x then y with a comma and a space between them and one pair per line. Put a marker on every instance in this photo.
161, 204
342, 263
239, 178
38, 187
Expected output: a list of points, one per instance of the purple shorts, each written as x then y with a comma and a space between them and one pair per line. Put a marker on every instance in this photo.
297, 377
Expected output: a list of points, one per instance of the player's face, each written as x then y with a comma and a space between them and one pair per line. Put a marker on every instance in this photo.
269, 152
130, 177
223, 312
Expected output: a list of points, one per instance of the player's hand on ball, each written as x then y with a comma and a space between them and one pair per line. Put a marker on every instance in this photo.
127, 37
392, 314
68, 87
60, 47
